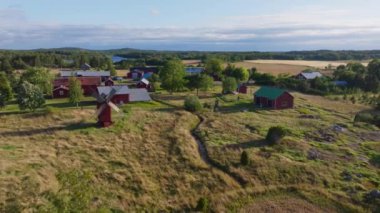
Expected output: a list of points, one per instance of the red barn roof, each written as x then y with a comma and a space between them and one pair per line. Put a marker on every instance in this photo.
85, 81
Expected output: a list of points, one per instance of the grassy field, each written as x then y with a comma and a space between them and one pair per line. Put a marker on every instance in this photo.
148, 160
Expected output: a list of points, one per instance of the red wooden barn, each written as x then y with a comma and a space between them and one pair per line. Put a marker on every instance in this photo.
121, 96
274, 98
144, 83
61, 92
89, 86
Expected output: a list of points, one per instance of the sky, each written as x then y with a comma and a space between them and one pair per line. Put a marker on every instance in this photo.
203, 25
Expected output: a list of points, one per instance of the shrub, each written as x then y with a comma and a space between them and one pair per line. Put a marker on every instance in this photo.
30, 97
202, 205
364, 117
192, 104
244, 158
275, 134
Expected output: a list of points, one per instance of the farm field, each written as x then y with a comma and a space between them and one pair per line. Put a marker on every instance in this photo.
149, 160
291, 67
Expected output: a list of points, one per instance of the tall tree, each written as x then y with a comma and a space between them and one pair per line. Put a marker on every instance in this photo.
200, 82
111, 67
229, 85
5, 90
75, 91
214, 67
172, 76
30, 97
40, 77
239, 73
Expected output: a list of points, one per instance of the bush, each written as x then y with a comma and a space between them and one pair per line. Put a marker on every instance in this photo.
275, 134
30, 97
244, 159
364, 117
192, 104
202, 205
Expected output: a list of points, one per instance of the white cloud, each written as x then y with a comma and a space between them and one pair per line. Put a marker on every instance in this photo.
155, 12
309, 29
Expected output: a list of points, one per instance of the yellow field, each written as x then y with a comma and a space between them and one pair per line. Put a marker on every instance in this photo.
316, 64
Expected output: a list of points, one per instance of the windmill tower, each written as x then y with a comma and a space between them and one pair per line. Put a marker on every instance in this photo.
104, 108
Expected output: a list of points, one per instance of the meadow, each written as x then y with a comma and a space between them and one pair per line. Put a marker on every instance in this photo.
149, 159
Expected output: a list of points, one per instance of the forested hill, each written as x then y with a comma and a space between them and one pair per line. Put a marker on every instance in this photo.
320, 55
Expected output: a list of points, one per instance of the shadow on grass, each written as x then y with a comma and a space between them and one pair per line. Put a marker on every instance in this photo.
247, 145
50, 130
70, 105
237, 107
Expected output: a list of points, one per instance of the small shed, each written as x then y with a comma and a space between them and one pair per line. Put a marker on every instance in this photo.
61, 92
109, 82
242, 88
144, 83
274, 98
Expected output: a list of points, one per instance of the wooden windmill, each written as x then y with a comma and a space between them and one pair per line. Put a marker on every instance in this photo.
104, 106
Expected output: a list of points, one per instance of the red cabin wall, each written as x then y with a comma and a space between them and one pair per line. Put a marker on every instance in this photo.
109, 83
243, 89
60, 93
284, 101
118, 99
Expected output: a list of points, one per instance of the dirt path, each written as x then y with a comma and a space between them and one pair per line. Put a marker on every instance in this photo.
203, 150
206, 158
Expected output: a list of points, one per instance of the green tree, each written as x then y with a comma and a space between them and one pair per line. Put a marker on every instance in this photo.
229, 85
239, 73
214, 67
275, 134
40, 77
172, 76
37, 61
6, 66
111, 68
200, 82
244, 158
192, 104
75, 91
6, 93
30, 97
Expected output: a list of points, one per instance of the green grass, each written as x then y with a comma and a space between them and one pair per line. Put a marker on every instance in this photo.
148, 159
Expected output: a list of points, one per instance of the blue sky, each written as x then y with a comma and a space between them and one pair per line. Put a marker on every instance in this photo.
233, 25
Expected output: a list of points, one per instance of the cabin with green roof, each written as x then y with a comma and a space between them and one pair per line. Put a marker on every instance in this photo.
273, 98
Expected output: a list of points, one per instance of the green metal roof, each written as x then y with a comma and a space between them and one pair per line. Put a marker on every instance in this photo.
269, 92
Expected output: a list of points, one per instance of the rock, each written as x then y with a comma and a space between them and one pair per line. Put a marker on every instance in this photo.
313, 154
373, 195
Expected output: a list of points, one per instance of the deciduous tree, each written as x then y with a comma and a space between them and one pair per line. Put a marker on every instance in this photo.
30, 97
75, 91
172, 76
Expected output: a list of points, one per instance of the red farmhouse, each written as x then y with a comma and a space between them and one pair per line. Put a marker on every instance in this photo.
144, 83
274, 98
89, 86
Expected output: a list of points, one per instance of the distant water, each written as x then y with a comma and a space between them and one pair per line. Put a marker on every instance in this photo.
116, 59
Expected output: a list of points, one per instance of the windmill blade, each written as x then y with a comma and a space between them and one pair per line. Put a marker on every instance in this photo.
99, 98
100, 110
113, 106
111, 94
